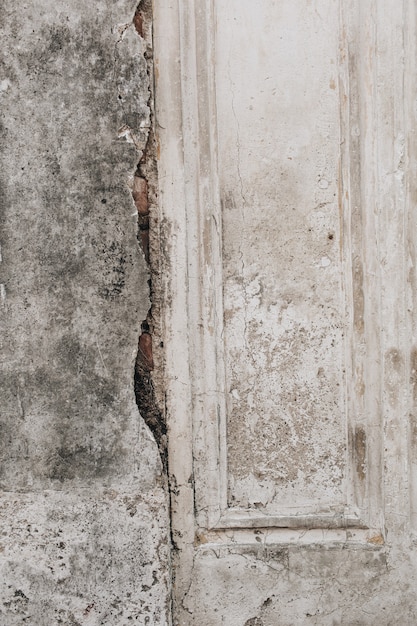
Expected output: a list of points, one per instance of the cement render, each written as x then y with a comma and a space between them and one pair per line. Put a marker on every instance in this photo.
83, 503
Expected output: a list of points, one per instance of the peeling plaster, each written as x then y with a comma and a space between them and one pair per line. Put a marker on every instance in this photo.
144, 192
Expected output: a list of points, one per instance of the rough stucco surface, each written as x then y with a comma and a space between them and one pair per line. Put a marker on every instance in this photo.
278, 153
83, 507
299, 585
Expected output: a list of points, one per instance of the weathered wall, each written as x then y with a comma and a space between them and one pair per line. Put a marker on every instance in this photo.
288, 150
83, 505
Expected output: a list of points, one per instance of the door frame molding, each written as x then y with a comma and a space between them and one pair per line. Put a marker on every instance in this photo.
191, 248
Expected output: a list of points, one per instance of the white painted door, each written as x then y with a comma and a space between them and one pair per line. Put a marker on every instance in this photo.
287, 171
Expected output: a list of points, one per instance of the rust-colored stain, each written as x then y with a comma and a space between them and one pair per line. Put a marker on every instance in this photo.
145, 350
359, 443
138, 22
332, 84
141, 198
140, 195
376, 540
200, 539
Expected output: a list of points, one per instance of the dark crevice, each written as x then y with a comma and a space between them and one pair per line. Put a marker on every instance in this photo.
145, 393
145, 197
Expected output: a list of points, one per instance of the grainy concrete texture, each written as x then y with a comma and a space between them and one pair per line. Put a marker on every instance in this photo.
83, 506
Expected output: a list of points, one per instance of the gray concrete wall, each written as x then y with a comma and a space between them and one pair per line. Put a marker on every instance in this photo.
83, 504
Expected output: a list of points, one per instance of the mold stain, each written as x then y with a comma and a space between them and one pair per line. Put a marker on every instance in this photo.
359, 443
358, 296
394, 364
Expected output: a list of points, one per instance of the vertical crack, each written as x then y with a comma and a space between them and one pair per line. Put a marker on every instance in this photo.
144, 194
